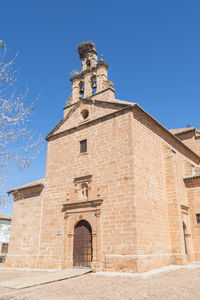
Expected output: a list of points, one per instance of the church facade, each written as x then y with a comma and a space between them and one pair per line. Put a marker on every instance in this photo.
120, 193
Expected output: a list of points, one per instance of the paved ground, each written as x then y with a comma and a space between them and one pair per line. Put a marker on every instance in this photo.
180, 285
43, 278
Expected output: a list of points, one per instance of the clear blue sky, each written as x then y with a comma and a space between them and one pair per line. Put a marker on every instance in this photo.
152, 48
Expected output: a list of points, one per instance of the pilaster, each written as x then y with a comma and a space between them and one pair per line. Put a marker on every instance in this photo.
174, 207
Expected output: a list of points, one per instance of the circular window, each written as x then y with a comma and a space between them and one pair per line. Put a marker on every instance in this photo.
85, 113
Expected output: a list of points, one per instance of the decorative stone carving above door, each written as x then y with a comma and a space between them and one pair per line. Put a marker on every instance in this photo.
82, 187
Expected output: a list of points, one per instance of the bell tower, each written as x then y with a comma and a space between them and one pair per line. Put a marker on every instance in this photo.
91, 82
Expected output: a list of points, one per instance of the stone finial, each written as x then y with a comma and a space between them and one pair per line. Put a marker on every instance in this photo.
85, 48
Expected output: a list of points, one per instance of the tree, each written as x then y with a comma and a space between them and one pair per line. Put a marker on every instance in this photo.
17, 144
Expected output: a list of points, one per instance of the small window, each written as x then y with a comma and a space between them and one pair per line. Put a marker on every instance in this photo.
85, 113
4, 248
83, 146
198, 218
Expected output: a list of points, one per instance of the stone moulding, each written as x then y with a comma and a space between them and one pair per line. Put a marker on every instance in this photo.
135, 108
191, 177
192, 181
83, 178
160, 128
81, 74
184, 207
27, 191
103, 63
30, 194
52, 136
74, 205
36, 184
104, 90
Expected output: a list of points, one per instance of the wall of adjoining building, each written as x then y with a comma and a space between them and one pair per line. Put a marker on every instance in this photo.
193, 192
25, 234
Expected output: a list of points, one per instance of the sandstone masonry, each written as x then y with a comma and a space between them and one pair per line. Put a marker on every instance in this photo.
120, 193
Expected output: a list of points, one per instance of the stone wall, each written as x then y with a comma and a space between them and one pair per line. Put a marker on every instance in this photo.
109, 161
193, 191
25, 231
136, 202
191, 139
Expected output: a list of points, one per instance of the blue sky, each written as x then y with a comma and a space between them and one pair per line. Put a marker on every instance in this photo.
152, 48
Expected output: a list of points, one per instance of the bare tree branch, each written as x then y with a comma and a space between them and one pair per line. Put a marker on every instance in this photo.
17, 142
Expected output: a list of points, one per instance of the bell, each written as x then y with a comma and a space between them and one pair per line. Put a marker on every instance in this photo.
94, 84
82, 90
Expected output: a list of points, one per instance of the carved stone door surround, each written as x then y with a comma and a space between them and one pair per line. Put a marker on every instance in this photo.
89, 211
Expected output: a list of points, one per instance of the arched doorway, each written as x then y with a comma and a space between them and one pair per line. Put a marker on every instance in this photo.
82, 249
185, 237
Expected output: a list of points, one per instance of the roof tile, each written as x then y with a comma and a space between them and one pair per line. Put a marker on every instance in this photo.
28, 185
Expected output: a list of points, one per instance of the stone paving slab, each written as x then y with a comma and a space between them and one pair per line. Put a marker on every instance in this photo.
3, 267
144, 274
24, 282
151, 273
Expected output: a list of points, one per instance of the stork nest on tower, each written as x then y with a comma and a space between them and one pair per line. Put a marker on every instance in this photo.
85, 48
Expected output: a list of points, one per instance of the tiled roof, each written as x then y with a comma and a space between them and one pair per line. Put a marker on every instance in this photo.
192, 176
28, 185
5, 217
181, 130
196, 174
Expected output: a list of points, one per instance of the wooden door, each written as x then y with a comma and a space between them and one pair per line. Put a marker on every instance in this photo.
82, 252
185, 237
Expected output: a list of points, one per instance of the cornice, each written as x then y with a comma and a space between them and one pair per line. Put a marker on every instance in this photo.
102, 91
181, 147
192, 177
24, 190
153, 123
184, 207
82, 204
28, 194
82, 73
102, 63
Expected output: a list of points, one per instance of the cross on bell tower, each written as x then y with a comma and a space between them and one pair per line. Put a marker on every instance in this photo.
92, 81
